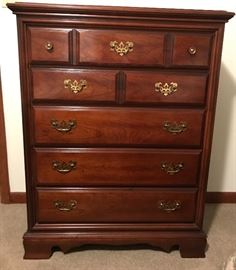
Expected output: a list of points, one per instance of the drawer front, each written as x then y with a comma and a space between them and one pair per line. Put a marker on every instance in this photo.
115, 205
49, 44
165, 87
117, 126
192, 49
74, 85
121, 47
116, 167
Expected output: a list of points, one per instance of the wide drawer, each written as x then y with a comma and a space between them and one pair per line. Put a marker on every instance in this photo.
165, 87
72, 85
121, 47
49, 44
115, 205
191, 49
117, 126
115, 167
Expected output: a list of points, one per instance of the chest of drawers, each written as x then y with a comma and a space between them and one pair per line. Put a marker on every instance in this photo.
118, 111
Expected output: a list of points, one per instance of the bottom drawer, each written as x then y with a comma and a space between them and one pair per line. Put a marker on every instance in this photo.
115, 205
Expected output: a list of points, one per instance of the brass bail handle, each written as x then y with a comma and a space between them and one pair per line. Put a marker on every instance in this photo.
169, 206
172, 168
63, 126
65, 206
64, 167
175, 128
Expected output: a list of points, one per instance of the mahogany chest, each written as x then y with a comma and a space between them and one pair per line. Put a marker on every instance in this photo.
118, 110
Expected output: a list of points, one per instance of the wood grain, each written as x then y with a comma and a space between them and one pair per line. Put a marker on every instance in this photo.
211, 197
114, 205
118, 200
116, 167
59, 38
48, 84
147, 48
118, 126
140, 87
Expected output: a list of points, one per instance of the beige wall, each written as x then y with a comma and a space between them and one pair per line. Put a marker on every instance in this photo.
222, 175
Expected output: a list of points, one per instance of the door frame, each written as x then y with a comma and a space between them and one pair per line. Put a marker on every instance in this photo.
4, 177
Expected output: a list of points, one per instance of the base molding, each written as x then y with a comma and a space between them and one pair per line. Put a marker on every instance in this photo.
211, 197
40, 245
17, 197
221, 197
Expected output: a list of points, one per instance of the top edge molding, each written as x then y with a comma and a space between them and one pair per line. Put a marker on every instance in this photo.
65, 9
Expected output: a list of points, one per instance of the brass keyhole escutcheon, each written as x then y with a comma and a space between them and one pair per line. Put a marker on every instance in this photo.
121, 48
166, 88
75, 86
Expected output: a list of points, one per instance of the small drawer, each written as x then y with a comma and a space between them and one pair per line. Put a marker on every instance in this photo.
115, 167
191, 49
117, 126
114, 205
49, 44
165, 87
74, 85
121, 47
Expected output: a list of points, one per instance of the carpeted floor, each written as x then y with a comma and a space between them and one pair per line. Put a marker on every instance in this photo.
220, 224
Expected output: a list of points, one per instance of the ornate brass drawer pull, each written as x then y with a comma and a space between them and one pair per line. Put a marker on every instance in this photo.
63, 126
63, 167
192, 50
171, 168
49, 46
166, 89
169, 206
65, 206
122, 48
175, 128
75, 86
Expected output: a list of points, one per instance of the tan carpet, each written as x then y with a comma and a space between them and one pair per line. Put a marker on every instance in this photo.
220, 223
